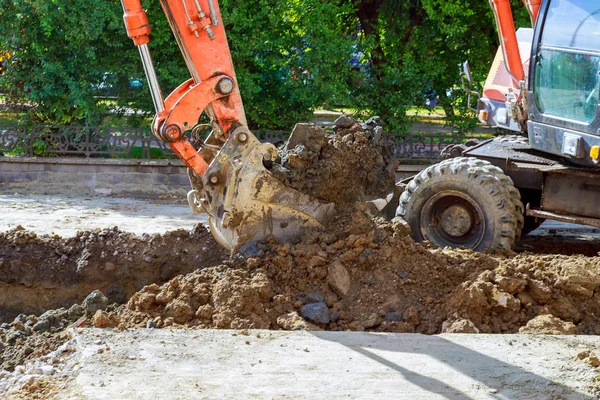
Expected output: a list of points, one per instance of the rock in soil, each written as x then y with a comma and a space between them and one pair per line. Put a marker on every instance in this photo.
316, 312
95, 301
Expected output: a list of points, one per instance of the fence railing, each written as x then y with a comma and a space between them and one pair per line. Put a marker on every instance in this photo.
81, 141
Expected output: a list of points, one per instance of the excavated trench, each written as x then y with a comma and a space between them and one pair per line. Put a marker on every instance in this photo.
362, 273
41, 273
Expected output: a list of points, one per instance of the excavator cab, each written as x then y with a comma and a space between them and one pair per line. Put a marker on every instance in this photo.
556, 99
564, 81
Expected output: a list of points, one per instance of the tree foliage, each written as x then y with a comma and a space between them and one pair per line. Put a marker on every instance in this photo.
290, 56
375, 56
59, 50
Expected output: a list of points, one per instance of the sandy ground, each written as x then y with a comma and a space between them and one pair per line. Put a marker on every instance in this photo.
65, 215
209, 364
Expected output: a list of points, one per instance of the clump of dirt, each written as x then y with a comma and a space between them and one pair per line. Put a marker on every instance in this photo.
20, 342
30, 336
548, 325
38, 273
343, 167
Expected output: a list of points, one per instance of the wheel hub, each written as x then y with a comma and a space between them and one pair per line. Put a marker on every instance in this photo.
456, 221
452, 218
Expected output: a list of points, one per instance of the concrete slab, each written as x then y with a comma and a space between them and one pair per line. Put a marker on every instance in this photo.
210, 364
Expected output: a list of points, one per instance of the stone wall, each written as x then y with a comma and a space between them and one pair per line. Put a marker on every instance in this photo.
115, 177
74, 176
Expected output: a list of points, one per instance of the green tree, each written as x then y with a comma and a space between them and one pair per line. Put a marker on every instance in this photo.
60, 49
386, 31
290, 57
378, 57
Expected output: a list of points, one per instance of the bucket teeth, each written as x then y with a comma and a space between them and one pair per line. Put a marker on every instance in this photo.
247, 204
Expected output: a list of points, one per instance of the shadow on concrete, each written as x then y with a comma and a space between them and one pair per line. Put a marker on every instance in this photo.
497, 379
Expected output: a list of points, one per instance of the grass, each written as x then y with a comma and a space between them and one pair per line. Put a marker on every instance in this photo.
426, 111
136, 154
10, 118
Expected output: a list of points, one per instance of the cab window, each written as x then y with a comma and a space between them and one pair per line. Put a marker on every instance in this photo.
567, 74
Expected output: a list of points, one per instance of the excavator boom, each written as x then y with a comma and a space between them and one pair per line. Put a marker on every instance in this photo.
228, 172
199, 32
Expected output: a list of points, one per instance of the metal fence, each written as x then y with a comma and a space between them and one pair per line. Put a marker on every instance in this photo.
82, 141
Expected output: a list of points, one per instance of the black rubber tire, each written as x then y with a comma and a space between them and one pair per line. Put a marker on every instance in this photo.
493, 204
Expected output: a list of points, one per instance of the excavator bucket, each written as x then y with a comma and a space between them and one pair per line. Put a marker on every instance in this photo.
245, 203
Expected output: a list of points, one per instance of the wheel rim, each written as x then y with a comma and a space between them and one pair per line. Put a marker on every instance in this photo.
452, 219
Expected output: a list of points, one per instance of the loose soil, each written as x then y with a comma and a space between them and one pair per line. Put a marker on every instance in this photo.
343, 168
363, 274
370, 275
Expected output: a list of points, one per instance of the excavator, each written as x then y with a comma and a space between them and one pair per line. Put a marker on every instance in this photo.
544, 84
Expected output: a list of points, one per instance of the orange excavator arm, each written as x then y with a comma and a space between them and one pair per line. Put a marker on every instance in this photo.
230, 173
504, 102
212, 88
533, 7
508, 37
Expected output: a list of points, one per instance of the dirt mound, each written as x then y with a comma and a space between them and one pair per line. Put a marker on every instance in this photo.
38, 273
364, 275
344, 167
370, 275
526, 286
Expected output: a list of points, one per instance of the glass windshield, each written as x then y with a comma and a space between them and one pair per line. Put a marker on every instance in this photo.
573, 24
567, 71
566, 85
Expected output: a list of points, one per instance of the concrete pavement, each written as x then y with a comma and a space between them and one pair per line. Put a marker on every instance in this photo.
212, 364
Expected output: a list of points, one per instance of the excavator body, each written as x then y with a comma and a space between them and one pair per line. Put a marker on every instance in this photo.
545, 81
544, 85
